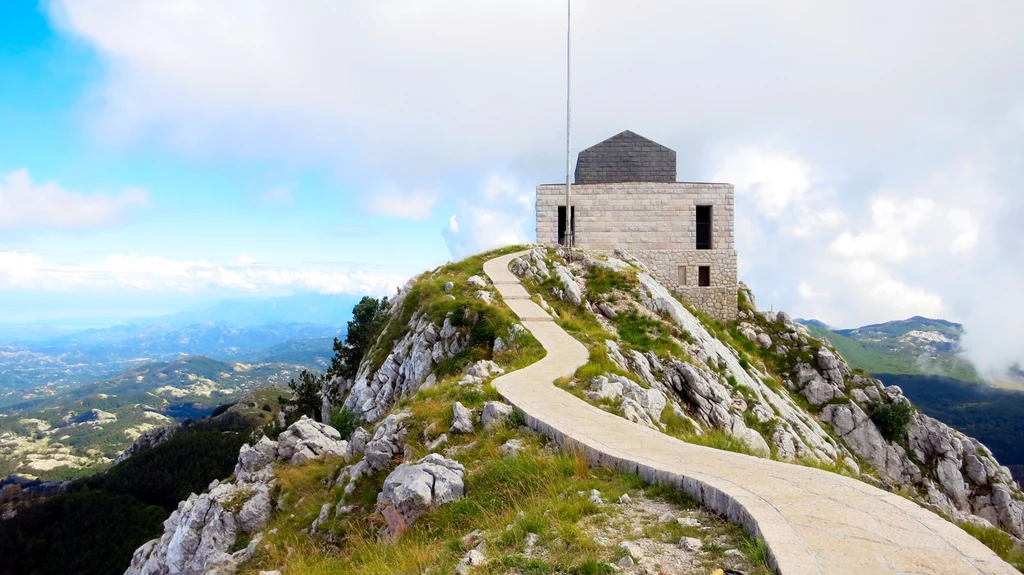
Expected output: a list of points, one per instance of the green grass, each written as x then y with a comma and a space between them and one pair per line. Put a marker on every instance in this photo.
540, 485
646, 334
603, 281
482, 322
999, 542
536, 492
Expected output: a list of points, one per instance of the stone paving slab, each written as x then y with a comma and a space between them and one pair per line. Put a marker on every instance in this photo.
813, 521
513, 291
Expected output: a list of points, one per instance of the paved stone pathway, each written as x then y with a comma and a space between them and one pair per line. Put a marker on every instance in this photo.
813, 521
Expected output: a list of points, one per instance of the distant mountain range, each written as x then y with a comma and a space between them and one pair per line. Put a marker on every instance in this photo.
41, 360
326, 309
915, 346
36, 368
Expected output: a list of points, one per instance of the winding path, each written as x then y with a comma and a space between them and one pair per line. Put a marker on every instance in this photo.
813, 521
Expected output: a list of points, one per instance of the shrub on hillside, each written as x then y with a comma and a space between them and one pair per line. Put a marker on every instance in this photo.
344, 421
892, 420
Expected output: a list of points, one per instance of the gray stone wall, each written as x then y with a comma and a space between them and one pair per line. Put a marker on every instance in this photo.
626, 157
655, 222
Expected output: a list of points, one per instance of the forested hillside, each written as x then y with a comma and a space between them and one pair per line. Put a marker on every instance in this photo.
93, 528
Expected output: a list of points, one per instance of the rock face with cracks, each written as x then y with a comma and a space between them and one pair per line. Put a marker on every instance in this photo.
199, 535
407, 367
413, 489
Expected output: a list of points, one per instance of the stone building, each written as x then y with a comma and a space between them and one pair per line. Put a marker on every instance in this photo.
626, 196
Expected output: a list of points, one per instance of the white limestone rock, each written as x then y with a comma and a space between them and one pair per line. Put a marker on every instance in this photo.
463, 419
709, 400
763, 340
387, 443
512, 448
602, 387
437, 443
570, 289
476, 282
199, 534
307, 439
785, 444
357, 444
858, 432
834, 369
412, 489
473, 558
495, 414
691, 544
406, 368
532, 265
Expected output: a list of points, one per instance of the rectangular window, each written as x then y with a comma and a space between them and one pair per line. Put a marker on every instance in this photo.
682, 275
703, 227
705, 276
561, 225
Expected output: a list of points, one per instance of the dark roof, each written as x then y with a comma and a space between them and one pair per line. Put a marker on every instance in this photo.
626, 157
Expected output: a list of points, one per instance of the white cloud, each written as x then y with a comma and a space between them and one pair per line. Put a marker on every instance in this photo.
774, 181
927, 249
415, 205
29, 205
244, 260
500, 214
22, 271
408, 85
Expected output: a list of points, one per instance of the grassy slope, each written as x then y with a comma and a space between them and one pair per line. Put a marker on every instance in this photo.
506, 498
537, 492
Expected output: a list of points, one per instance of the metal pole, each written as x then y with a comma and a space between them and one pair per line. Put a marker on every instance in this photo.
568, 126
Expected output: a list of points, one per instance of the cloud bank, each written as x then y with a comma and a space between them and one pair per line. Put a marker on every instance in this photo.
875, 147
29, 205
27, 271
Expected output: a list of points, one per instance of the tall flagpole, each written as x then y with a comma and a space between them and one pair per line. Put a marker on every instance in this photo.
568, 127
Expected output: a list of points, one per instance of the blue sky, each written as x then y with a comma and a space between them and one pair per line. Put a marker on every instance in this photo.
157, 155
199, 207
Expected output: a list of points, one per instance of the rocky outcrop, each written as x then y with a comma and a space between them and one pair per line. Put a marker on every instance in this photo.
379, 451
199, 535
149, 440
532, 266
861, 435
306, 440
462, 419
406, 367
495, 414
711, 396
636, 403
570, 290
714, 389
412, 489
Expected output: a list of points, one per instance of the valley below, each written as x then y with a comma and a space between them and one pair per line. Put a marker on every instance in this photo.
70, 405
